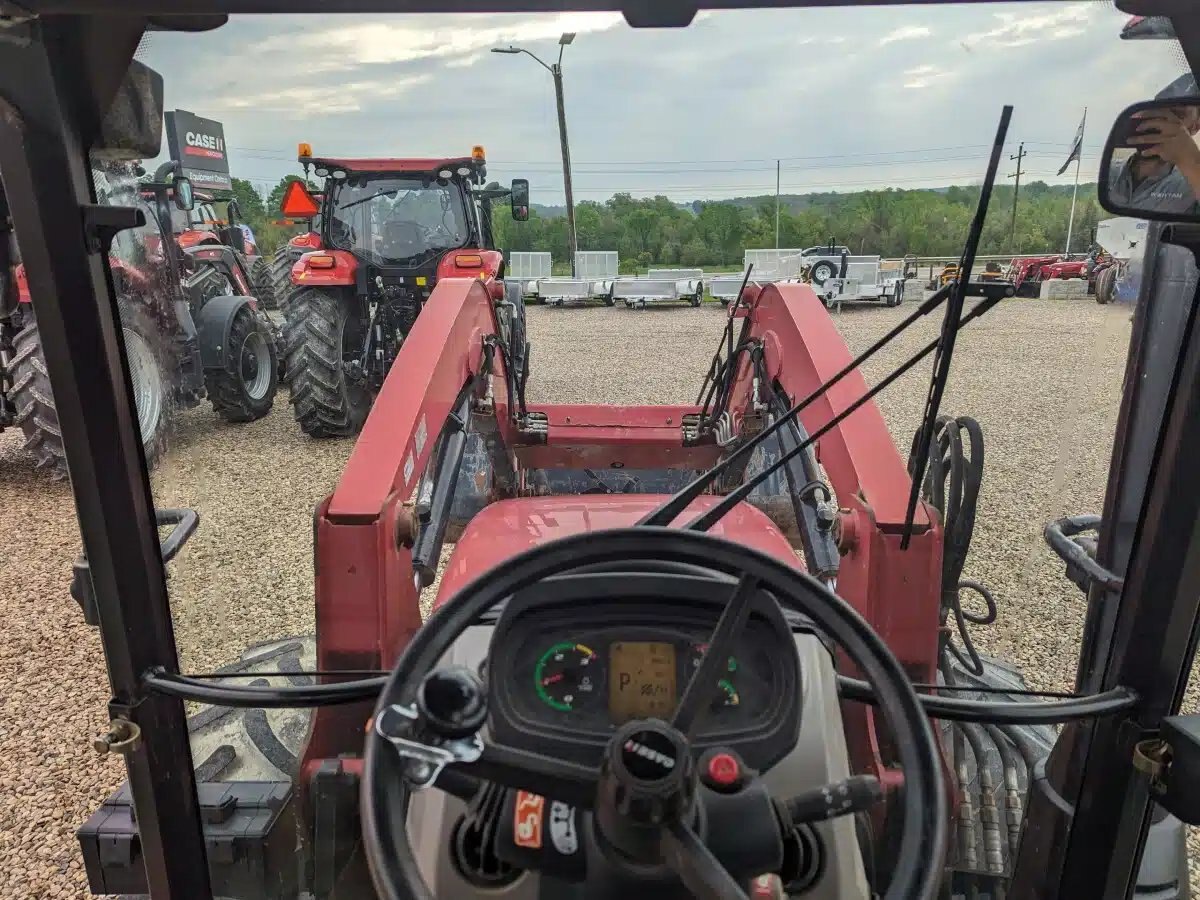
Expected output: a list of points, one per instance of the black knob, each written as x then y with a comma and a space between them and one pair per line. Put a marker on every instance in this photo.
452, 702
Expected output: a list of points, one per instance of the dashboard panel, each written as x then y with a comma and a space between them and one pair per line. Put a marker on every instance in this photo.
573, 658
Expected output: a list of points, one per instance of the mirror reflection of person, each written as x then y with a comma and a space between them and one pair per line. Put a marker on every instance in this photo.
1163, 173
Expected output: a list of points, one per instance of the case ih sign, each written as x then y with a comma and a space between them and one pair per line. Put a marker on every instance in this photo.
199, 144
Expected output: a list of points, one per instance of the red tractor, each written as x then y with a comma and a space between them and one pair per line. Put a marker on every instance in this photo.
190, 325
1027, 273
207, 224
390, 230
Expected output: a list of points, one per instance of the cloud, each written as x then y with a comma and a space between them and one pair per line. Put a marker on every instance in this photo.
905, 33
924, 76
1021, 29
379, 43
301, 101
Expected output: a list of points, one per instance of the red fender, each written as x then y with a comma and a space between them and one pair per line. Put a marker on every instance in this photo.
469, 263
341, 273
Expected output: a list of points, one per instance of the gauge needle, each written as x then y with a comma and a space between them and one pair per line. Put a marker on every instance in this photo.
551, 679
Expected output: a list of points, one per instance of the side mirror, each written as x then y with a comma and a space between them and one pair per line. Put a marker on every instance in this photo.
520, 199
181, 187
1150, 168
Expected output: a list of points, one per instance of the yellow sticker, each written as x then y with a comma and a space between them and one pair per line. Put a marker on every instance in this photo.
420, 281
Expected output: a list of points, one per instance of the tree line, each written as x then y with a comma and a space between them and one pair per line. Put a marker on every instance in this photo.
659, 231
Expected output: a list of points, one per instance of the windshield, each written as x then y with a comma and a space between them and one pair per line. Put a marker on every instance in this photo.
357, 452
397, 221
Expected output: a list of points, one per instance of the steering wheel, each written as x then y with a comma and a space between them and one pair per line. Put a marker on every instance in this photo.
658, 810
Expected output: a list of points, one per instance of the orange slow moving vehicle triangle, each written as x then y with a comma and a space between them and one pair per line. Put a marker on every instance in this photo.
298, 203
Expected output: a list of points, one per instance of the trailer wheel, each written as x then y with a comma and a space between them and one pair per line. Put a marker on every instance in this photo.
1106, 281
34, 402
244, 390
231, 744
699, 295
327, 403
263, 283
822, 272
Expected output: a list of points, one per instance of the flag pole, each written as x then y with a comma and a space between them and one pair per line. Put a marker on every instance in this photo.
1075, 192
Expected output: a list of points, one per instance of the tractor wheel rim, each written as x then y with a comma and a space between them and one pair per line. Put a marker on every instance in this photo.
147, 380
254, 365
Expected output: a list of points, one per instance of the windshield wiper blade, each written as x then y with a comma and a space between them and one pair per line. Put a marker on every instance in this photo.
950, 328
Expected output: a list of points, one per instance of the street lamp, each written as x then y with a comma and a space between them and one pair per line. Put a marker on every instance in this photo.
555, 71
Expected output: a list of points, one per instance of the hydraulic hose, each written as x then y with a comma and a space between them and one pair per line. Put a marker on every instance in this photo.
953, 479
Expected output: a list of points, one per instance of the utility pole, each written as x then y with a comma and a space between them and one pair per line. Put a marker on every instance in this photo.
1019, 157
555, 71
572, 239
776, 204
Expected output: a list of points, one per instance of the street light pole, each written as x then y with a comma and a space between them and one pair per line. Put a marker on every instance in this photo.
555, 71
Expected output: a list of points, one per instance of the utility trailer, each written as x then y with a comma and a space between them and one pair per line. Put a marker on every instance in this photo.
527, 269
660, 286
860, 279
593, 279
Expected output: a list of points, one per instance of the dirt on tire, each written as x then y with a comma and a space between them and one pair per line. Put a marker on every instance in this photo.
326, 403
235, 744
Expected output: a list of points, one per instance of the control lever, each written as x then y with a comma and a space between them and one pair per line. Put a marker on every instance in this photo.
842, 798
185, 522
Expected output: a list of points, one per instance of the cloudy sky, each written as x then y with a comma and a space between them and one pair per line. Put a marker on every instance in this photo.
848, 99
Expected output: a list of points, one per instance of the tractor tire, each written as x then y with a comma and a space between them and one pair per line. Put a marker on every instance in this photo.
245, 390
263, 281
327, 403
231, 744
518, 341
281, 276
822, 272
34, 402
1106, 282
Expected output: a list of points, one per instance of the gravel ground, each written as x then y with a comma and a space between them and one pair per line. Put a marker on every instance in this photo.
1043, 379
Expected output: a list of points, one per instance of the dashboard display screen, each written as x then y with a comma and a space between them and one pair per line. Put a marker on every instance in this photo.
641, 680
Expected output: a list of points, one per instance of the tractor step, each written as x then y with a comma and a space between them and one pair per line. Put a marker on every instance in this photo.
249, 835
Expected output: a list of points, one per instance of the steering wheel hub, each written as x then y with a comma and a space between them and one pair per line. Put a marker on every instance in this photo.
647, 781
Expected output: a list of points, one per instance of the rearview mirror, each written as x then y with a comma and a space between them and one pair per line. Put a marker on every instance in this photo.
1150, 168
132, 127
520, 199
181, 188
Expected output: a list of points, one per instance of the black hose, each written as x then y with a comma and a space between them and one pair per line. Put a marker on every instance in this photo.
953, 479
1049, 712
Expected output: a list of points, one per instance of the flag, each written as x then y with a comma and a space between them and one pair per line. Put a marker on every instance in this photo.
1076, 145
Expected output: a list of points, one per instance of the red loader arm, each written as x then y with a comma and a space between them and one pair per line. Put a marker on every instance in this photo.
367, 606
897, 591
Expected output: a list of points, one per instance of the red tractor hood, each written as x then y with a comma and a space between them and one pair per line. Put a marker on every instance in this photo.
508, 527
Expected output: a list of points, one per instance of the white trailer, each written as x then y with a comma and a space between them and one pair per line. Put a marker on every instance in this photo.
527, 269
863, 281
593, 278
660, 286
559, 291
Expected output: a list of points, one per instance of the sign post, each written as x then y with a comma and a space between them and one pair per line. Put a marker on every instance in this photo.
198, 144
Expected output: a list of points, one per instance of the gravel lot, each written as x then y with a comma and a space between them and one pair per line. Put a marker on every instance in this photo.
1043, 379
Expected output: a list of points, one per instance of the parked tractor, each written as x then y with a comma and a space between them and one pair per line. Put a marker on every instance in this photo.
208, 224
189, 322
390, 230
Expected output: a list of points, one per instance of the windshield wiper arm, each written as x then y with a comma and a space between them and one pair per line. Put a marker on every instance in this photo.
950, 327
